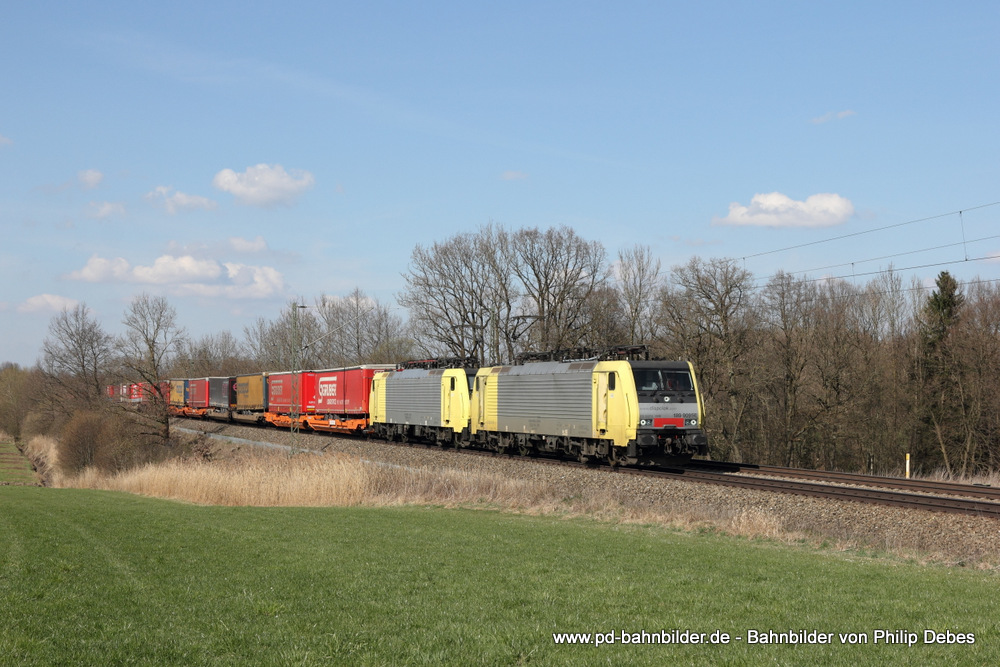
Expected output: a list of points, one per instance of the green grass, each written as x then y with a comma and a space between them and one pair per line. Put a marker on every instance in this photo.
90, 577
14, 466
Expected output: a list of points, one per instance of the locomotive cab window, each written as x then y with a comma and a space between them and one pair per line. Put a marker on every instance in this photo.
453, 384
611, 381
655, 379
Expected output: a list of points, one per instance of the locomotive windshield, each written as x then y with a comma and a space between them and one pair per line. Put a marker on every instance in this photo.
661, 379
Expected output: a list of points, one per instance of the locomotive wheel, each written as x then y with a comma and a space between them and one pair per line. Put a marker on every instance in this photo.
616, 456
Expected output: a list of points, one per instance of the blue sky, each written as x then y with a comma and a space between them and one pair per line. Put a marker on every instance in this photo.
232, 156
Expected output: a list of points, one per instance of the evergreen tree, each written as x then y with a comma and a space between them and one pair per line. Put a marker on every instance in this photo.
939, 373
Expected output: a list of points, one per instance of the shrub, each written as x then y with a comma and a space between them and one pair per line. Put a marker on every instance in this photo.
82, 437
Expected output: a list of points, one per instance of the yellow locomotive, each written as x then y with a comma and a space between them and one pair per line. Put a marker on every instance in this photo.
623, 412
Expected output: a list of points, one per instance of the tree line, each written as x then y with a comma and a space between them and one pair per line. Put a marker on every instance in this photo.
794, 371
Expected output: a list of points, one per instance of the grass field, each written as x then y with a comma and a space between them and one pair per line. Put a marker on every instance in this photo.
94, 577
14, 466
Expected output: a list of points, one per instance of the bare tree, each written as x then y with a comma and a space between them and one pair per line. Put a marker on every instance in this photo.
608, 321
212, 354
638, 279
442, 308
259, 344
709, 312
978, 341
559, 271
77, 354
357, 329
787, 309
282, 343
498, 322
462, 296
151, 341
877, 416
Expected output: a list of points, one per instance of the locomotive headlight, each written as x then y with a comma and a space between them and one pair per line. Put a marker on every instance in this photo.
643, 422
693, 422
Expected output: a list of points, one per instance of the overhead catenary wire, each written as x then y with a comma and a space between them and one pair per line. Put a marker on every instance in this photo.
869, 289
762, 282
869, 231
908, 252
964, 242
891, 256
902, 268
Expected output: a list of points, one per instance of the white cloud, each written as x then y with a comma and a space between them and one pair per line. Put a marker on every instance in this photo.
244, 282
5, 141
264, 185
47, 303
243, 245
168, 269
105, 209
174, 200
833, 115
255, 281
513, 176
89, 178
186, 275
778, 210
98, 269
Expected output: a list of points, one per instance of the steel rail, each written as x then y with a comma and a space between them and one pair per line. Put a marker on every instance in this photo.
877, 481
952, 505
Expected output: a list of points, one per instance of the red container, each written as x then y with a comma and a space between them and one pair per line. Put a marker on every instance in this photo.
197, 393
282, 386
344, 391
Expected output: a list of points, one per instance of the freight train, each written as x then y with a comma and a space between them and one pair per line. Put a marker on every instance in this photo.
624, 412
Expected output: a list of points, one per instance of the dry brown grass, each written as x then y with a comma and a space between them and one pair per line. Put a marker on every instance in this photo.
274, 479
941, 475
43, 451
756, 523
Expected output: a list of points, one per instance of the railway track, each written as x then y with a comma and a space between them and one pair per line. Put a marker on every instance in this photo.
837, 491
829, 487
823, 485
916, 494
855, 479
